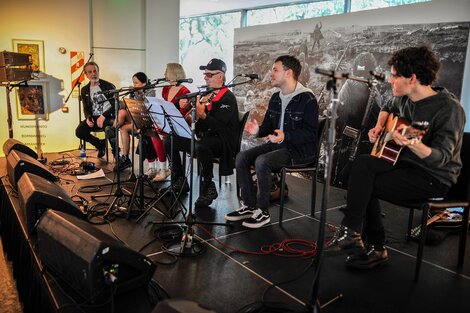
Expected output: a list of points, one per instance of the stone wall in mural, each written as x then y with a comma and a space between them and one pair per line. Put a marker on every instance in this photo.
351, 49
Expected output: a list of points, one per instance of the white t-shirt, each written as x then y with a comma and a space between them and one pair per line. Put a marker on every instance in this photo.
100, 103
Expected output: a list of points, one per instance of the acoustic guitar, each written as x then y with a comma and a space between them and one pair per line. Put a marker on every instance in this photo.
385, 148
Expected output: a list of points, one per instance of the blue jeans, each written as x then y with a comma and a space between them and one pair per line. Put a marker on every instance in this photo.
266, 158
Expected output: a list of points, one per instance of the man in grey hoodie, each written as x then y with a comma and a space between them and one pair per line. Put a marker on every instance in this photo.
290, 127
426, 167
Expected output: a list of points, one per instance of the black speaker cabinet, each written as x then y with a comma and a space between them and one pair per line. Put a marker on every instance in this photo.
19, 163
180, 306
87, 259
13, 144
36, 195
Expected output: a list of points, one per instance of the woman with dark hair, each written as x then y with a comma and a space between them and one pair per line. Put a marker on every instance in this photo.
139, 79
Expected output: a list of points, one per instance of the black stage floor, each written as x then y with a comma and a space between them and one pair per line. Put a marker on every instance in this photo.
232, 273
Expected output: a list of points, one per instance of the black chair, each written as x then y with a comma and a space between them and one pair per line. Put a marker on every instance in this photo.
242, 118
106, 151
458, 196
312, 168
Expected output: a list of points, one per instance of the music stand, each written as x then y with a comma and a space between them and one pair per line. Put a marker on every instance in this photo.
140, 120
168, 118
188, 243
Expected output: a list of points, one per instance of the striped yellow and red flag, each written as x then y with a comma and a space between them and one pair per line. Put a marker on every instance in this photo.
77, 61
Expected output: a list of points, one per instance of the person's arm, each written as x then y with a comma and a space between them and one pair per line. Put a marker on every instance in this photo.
85, 98
266, 128
415, 144
445, 137
227, 107
379, 126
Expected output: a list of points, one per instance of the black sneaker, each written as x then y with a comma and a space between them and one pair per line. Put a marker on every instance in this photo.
123, 163
101, 148
208, 194
258, 219
346, 240
180, 185
242, 213
367, 259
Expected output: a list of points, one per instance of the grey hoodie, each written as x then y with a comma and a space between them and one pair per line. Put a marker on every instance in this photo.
446, 119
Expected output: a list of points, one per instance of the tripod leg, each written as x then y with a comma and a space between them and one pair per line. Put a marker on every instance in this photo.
134, 197
117, 195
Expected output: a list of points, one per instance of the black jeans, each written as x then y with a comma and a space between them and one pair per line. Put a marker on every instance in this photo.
372, 179
206, 149
83, 131
266, 158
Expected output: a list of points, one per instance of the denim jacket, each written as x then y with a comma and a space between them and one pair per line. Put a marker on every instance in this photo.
300, 126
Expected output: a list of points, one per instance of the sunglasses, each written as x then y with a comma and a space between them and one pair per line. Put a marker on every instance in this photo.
209, 75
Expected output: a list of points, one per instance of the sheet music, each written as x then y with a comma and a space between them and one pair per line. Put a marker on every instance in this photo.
157, 107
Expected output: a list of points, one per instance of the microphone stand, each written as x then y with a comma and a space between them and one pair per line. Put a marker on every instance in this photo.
78, 83
332, 85
119, 192
189, 243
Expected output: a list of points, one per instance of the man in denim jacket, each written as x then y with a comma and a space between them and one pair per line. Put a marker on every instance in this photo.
290, 127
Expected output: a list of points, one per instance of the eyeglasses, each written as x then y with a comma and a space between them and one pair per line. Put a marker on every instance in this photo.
209, 75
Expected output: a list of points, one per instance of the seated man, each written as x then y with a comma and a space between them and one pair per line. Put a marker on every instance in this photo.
216, 132
291, 125
98, 108
426, 167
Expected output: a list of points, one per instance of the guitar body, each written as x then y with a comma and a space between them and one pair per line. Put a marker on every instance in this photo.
385, 148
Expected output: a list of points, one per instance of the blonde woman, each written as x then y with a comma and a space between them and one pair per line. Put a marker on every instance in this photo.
173, 73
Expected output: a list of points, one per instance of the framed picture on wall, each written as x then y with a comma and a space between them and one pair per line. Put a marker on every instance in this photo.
32, 101
33, 47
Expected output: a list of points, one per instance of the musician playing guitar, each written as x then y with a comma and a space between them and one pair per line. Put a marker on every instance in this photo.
426, 167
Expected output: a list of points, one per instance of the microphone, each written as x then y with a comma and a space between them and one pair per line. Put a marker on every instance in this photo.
378, 75
187, 80
330, 73
251, 76
159, 80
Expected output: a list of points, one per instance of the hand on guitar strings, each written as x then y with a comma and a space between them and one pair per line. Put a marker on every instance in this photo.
405, 136
374, 133
411, 141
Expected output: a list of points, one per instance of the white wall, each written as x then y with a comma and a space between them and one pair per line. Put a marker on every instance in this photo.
431, 12
59, 24
118, 32
162, 35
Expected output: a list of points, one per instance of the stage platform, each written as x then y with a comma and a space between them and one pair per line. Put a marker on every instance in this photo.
231, 272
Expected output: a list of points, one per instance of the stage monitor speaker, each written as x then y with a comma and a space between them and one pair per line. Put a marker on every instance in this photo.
13, 144
14, 59
36, 195
180, 306
19, 163
89, 260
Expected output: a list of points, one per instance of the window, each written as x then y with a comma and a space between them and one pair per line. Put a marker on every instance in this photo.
359, 5
294, 12
205, 37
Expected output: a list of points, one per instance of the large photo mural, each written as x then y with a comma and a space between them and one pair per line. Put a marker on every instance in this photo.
355, 50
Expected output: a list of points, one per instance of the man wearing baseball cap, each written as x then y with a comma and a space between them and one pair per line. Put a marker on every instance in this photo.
217, 133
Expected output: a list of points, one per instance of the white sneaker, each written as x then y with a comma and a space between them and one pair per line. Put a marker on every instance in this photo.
151, 172
162, 175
